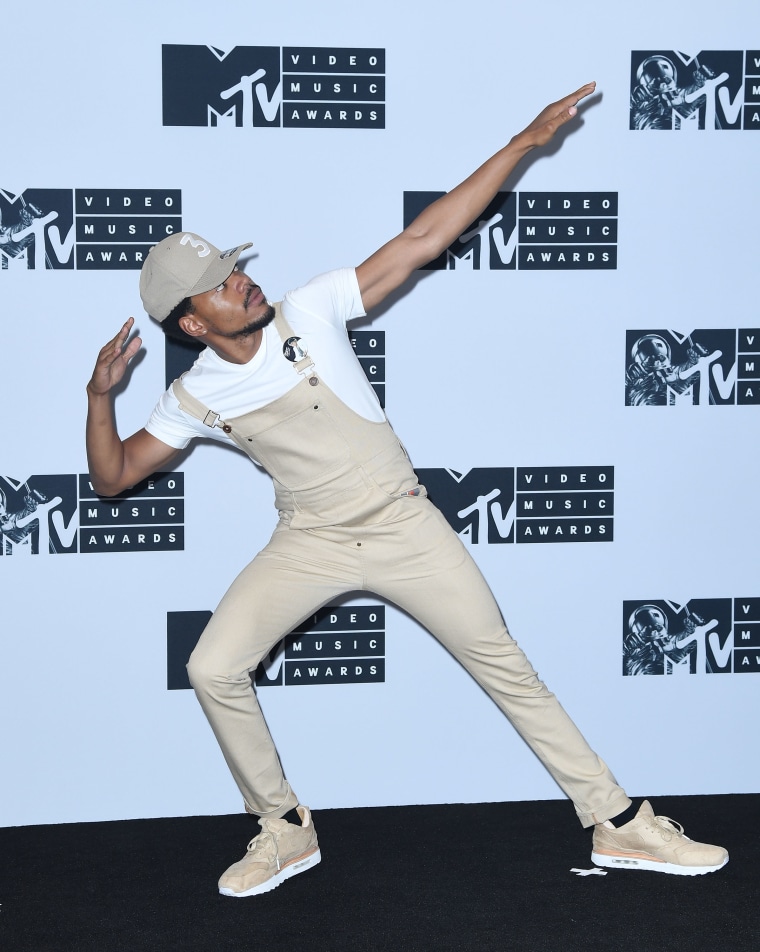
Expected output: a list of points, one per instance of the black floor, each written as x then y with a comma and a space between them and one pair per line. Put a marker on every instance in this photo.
456, 877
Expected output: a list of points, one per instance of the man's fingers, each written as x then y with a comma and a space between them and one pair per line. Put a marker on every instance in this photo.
123, 333
125, 329
547, 122
569, 105
120, 351
131, 349
585, 90
566, 108
115, 346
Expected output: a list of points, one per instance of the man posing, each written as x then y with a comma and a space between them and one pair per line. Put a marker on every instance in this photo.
282, 383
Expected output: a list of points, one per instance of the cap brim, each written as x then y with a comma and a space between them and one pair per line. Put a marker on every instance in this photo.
219, 270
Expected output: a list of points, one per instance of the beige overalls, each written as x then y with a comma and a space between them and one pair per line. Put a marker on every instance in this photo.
353, 517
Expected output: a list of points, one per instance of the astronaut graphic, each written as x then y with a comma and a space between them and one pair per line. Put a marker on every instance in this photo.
658, 95
38, 515
667, 368
24, 523
15, 238
665, 637
652, 376
671, 90
37, 229
651, 648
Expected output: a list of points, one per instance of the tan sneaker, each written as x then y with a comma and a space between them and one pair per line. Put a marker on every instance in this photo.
280, 851
657, 843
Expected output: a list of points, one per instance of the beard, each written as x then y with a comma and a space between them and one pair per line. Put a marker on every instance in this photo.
252, 326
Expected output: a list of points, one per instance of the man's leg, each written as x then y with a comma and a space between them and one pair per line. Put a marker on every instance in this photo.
291, 578
433, 577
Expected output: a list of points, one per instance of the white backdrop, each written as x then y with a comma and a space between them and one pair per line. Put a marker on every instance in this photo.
484, 368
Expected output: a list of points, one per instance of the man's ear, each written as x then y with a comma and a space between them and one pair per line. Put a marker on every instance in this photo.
191, 326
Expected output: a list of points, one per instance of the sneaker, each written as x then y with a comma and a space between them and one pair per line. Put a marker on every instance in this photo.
657, 843
280, 851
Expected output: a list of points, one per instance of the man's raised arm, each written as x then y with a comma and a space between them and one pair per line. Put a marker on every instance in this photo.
116, 465
439, 224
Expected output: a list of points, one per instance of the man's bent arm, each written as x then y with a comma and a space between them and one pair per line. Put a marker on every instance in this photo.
115, 464
439, 224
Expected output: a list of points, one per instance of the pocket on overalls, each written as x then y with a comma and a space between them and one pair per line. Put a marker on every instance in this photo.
351, 499
301, 450
391, 472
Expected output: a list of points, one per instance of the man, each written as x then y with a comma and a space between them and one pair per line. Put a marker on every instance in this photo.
282, 383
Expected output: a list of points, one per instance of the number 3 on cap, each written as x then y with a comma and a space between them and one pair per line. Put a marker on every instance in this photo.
196, 243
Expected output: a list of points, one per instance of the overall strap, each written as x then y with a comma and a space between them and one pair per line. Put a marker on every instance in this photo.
292, 345
195, 408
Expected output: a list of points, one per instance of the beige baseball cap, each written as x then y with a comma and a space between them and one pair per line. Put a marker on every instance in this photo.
180, 266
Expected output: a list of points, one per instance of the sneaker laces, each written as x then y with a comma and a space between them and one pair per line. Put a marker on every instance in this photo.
265, 845
667, 828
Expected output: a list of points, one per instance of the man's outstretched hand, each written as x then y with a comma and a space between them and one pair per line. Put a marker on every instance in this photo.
544, 126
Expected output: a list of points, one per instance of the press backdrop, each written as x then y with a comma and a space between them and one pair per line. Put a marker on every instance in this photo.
577, 381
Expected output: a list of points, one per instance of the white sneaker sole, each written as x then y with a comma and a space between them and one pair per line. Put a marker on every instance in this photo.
292, 869
633, 862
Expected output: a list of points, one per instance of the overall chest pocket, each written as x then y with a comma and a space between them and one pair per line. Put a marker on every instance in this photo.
301, 450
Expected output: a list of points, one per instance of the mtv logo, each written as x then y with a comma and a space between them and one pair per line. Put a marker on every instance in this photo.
38, 515
487, 244
671, 637
479, 505
687, 91
671, 368
37, 229
204, 86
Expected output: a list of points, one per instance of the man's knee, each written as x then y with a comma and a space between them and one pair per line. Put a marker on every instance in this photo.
198, 673
207, 675
204, 673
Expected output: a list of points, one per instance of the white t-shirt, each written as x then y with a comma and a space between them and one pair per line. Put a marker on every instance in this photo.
317, 313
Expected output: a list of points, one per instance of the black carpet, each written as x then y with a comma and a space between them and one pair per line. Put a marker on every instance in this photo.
455, 877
